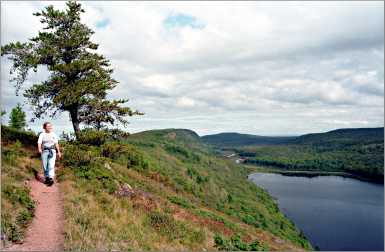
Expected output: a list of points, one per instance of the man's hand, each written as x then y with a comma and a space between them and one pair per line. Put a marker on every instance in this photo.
57, 147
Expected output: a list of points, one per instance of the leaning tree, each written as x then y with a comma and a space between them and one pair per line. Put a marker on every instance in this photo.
79, 77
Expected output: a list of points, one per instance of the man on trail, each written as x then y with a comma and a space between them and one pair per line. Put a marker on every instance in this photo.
47, 145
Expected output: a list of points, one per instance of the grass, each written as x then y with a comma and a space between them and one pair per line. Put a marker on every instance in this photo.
16, 204
123, 224
183, 198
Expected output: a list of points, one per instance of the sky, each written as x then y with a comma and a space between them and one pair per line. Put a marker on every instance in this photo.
265, 68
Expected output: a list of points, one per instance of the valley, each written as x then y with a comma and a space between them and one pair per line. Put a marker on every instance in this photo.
357, 153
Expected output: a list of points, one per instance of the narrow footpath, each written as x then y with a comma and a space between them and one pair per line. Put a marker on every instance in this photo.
45, 233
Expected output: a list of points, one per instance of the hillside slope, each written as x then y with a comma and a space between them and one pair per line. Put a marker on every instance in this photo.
159, 190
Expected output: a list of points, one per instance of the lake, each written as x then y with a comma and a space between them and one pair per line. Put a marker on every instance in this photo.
335, 213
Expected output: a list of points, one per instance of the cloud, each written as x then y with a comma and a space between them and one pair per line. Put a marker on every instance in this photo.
254, 67
185, 102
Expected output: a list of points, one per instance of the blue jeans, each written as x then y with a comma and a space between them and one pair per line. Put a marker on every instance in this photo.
48, 163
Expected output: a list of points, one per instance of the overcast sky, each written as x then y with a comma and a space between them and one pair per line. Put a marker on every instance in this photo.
267, 68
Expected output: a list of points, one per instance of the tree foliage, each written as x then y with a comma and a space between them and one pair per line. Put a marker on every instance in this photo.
79, 77
17, 118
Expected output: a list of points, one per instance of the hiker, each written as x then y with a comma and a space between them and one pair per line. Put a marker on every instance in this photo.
47, 145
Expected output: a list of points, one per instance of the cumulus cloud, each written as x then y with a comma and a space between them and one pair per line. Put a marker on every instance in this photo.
255, 67
185, 102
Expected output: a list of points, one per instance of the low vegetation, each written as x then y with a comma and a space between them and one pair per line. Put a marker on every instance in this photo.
138, 193
16, 203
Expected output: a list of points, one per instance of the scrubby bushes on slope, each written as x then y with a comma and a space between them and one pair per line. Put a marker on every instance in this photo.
9, 134
16, 168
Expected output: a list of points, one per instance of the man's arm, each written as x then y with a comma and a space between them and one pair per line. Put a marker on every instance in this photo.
58, 149
39, 147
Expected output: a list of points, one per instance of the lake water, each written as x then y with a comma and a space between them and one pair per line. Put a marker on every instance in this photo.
335, 213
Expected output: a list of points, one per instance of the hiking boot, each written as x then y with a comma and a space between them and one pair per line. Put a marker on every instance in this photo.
46, 181
50, 182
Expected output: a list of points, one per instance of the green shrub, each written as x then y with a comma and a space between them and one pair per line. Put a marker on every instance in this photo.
92, 137
210, 215
98, 176
14, 225
113, 150
191, 172
24, 217
117, 134
182, 184
98, 137
125, 154
76, 155
181, 151
194, 174
163, 223
175, 149
18, 195
201, 179
236, 244
249, 219
230, 198
11, 134
117, 152
136, 159
219, 206
181, 201
12, 152
221, 243
12, 231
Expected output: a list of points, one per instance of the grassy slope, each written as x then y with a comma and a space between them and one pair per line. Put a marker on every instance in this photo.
17, 207
182, 198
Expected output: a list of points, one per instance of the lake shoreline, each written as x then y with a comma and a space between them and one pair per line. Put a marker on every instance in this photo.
311, 174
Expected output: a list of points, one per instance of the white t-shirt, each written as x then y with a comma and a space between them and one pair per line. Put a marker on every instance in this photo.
47, 139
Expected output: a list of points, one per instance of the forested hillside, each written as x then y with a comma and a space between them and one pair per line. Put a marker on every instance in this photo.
237, 139
357, 151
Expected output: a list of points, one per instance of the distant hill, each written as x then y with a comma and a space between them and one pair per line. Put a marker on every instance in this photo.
343, 136
181, 135
237, 139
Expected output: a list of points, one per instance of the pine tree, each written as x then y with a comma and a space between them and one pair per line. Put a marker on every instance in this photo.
98, 112
17, 118
79, 77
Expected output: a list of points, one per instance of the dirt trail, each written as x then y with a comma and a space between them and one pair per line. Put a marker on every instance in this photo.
46, 230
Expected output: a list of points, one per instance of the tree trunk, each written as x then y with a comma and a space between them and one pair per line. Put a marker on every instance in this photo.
75, 122
98, 125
